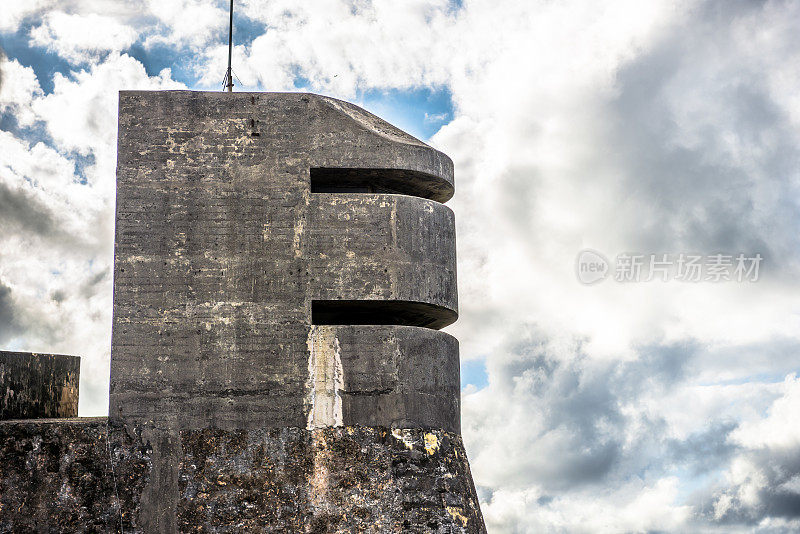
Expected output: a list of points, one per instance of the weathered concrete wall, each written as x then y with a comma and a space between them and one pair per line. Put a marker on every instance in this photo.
88, 476
38, 385
221, 249
391, 376
382, 247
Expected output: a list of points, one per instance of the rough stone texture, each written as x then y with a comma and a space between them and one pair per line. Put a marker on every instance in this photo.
350, 479
38, 385
88, 476
56, 476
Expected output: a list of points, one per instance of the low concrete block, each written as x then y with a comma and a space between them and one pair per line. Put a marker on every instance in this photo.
37, 386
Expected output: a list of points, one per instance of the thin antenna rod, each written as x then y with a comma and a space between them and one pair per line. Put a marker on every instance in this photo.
229, 74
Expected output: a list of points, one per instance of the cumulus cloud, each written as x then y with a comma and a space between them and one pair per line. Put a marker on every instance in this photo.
324, 43
562, 443
762, 483
633, 508
79, 38
18, 88
675, 140
13, 13
21, 211
187, 23
568, 421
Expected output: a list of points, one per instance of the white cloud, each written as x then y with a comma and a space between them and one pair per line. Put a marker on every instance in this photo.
13, 13
340, 46
779, 428
633, 508
191, 23
81, 37
18, 88
761, 483
435, 117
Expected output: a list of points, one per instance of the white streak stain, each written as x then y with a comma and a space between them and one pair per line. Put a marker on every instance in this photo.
325, 379
299, 227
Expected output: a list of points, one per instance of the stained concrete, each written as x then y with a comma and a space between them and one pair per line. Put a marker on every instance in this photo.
38, 385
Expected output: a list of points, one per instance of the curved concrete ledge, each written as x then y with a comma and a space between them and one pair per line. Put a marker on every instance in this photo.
392, 376
381, 247
347, 136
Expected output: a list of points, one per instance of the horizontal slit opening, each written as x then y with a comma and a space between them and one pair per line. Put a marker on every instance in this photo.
376, 312
395, 181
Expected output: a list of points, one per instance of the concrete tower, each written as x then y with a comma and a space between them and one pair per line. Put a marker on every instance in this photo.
283, 263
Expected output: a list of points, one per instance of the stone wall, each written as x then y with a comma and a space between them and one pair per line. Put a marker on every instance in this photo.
86, 475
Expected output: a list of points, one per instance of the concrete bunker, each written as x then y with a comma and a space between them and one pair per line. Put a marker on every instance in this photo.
233, 405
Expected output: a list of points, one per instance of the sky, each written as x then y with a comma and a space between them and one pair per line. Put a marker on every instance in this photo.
629, 129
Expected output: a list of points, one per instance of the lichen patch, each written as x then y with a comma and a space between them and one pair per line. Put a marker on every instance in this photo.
431, 443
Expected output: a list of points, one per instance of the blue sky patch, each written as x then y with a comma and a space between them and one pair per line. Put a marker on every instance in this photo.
43, 62
474, 372
420, 112
159, 57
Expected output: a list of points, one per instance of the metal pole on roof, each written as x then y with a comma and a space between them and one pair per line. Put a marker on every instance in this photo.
229, 73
